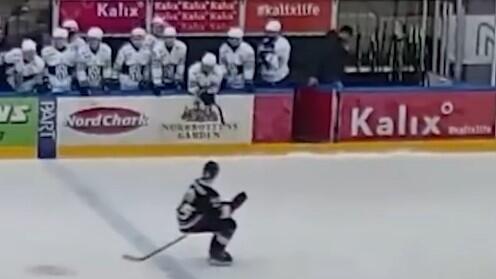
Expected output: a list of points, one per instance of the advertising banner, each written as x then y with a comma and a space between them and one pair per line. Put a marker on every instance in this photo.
47, 127
18, 121
309, 16
113, 16
199, 17
152, 120
420, 115
313, 114
273, 117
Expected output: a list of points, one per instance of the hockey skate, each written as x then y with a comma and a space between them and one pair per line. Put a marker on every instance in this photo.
222, 258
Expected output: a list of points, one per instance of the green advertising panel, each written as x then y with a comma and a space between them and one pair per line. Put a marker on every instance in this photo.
18, 121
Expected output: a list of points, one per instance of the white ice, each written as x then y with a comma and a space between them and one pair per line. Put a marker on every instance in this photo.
347, 217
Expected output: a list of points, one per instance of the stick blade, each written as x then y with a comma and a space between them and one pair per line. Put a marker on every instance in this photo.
132, 258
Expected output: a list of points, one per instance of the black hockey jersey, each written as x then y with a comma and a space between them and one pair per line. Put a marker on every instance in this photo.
200, 201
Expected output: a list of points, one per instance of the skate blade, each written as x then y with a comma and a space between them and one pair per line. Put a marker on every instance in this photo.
214, 262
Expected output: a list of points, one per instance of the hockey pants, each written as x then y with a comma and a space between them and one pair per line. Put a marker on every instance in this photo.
223, 230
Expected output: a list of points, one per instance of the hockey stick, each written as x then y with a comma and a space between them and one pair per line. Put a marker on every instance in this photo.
157, 251
221, 114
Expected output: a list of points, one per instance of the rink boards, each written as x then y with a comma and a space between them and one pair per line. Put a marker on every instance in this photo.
272, 121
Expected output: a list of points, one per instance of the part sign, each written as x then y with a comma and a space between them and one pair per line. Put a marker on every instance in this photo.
409, 115
152, 120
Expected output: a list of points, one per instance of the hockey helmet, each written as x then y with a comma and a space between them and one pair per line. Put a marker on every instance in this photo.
274, 26
209, 59
71, 25
211, 169
138, 32
28, 45
60, 33
235, 33
95, 33
158, 21
170, 31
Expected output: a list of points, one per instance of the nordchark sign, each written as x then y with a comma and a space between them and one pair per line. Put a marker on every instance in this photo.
151, 120
409, 115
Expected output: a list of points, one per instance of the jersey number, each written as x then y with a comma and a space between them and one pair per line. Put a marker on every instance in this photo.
169, 71
135, 73
94, 75
185, 211
61, 72
232, 69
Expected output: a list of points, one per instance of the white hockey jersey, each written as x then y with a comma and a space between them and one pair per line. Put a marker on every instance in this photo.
150, 41
60, 67
76, 44
132, 66
94, 67
239, 64
168, 64
22, 75
200, 82
274, 59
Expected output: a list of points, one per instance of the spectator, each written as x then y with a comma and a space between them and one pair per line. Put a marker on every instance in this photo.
238, 59
273, 55
75, 41
168, 62
330, 63
132, 65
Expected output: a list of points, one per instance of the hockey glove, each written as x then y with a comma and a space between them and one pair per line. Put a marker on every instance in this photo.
249, 86
144, 85
157, 90
238, 201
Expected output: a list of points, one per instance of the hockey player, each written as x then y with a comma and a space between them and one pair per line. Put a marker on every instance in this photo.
60, 63
202, 211
75, 41
95, 63
158, 26
168, 62
205, 79
238, 59
273, 54
26, 68
132, 65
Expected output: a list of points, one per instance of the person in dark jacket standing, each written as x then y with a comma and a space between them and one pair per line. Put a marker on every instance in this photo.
329, 67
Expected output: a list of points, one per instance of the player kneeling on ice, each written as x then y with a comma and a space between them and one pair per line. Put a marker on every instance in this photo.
60, 63
205, 80
132, 65
24, 68
94, 69
238, 59
202, 211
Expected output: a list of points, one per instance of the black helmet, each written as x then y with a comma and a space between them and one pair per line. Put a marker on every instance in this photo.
211, 169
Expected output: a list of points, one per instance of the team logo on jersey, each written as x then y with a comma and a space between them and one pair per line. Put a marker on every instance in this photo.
106, 120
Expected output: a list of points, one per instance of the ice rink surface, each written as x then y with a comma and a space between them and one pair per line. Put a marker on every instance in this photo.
343, 216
